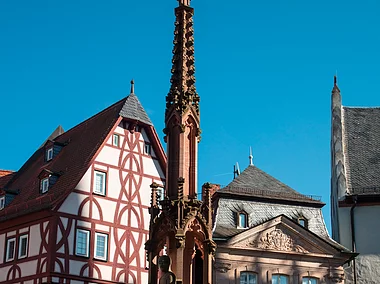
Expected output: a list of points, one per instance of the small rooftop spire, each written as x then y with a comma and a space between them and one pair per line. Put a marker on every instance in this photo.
132, 86
184, 2
335, 88
250, 157
236, 170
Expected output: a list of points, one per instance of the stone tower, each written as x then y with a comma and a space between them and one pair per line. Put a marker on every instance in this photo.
338, 176
181, 223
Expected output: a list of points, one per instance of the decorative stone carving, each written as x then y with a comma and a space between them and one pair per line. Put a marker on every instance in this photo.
222, 267
276, 240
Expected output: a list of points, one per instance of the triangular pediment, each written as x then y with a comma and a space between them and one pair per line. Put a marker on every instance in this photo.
282, 235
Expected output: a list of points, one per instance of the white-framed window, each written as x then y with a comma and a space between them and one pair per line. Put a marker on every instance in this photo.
100, 183
49, 154
82, 243
242, 220
280, 279
309, 280
116, 140
23, 246
101, 246
248, 277
147, 149
11, 248
44, 185
2, 202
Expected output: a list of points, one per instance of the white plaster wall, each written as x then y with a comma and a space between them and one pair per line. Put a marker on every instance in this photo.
108, 209
2, 246
108, 160
119, 129
144, 277
85, 182
76, 266
72, 203
71, 240
345, 227
4, 272
114, 184
11, 233
367, 229
28, 268
34, 240
108, 155
106, 271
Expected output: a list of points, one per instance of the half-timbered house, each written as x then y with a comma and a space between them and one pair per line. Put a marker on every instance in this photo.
77, 210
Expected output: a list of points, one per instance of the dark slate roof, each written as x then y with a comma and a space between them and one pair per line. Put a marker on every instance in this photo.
81, 144
259, 212
255, 182
133, 109
362, 149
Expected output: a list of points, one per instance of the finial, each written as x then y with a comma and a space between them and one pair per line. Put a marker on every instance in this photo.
236, 170
335, 80
132, 86
250, 157
184, 2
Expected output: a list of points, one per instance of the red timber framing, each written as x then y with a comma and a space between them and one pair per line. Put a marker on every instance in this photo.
127, 229
127, 240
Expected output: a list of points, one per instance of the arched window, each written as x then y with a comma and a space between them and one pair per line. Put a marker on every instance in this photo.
309, 280
280, 279
248, 277
242, 221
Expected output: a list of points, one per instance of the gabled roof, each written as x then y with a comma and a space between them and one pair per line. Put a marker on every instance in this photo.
253, 182
5, 176
81, 145
361, 139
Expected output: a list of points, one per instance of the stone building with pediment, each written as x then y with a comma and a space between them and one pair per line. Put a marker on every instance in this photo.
266, 232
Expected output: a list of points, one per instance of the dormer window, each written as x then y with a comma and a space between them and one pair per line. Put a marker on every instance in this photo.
49, 154
242, 220
44, 185
2, 202
302, 221
116, 140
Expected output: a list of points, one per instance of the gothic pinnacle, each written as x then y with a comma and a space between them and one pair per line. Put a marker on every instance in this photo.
335, 88
184, 2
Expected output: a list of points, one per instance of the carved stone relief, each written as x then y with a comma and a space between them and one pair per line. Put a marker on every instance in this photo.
222, 267
275, 240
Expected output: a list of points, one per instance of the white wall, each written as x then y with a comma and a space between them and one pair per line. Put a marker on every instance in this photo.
367, 229
123, 212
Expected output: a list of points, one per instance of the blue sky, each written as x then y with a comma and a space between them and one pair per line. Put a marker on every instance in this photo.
264, 73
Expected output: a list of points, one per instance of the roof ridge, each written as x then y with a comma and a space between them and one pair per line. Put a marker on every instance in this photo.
93, 116
361, 107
